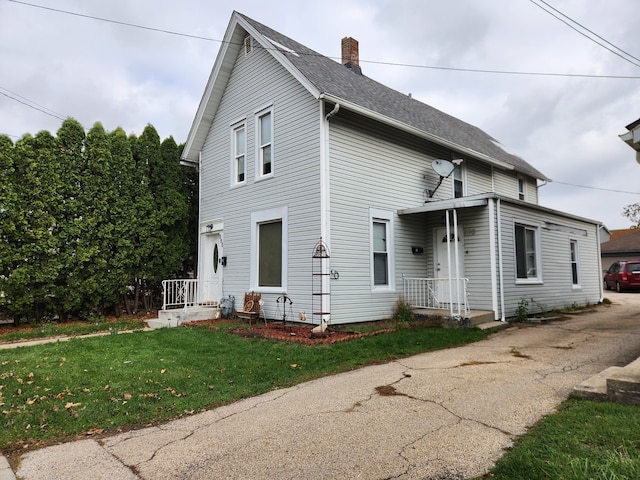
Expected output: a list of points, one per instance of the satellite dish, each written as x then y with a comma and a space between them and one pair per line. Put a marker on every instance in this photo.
444, 168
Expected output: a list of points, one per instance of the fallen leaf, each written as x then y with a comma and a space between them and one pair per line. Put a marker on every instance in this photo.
293, 365
95, 431
163, 370
127, 396
70, 405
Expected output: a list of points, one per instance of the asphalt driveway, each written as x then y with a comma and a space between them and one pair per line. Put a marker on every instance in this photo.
441, 415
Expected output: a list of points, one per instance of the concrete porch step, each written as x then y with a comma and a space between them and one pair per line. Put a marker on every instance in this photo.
615, 384
175, 317
439, 317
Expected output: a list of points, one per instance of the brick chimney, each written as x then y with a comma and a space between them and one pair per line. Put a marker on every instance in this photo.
350, 55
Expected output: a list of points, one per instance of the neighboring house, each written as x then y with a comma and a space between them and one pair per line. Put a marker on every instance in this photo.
632, 137
293, 147
605, 234
624, 245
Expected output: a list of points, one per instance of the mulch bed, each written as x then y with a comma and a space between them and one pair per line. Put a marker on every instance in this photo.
291, 332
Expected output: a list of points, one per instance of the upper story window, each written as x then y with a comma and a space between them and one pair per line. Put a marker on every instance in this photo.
264, 143
458, 182
239, 149
522, 184
527, 243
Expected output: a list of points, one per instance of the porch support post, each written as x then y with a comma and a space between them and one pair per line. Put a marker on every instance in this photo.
456, 250
449, 262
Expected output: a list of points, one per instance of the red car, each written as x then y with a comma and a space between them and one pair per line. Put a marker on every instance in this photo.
623, 276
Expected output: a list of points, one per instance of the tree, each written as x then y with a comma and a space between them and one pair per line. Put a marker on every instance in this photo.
632, 212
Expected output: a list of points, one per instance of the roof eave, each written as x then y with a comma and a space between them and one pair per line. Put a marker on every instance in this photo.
420, 133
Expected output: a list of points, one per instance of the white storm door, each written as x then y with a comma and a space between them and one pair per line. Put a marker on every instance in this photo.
211, 268
448, 267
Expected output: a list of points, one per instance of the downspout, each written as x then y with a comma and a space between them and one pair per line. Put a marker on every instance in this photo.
599, 262
500, 264
493, 247
199, 167
325, 207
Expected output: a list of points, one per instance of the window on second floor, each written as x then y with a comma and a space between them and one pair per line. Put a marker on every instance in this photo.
521, 188
458, 183
264, 143
239, 152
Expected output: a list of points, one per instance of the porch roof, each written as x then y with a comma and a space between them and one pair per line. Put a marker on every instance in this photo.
450, 204
483, 200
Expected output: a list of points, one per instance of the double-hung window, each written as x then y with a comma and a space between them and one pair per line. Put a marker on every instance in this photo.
527, 253
239, 149
382, 253
264, 143
458, 182
575, 273
269, 250
521, 189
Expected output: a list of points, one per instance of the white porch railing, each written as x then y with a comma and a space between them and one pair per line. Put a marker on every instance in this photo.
438, 294
190, 292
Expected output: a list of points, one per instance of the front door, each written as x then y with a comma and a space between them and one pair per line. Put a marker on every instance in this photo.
446, 263
210, 276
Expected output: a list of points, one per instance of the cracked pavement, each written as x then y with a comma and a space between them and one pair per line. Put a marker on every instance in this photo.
442, 415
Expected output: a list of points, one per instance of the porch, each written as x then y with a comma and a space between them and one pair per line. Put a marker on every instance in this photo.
187, 300
445, 298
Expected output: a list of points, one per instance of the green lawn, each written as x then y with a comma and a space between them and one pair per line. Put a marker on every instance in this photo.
583, 440
57, 391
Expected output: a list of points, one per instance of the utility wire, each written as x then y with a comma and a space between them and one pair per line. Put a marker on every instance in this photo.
594, 188
30, 104
431, 67
570, 22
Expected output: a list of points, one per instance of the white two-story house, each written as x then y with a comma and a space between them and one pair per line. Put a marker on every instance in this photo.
293, 147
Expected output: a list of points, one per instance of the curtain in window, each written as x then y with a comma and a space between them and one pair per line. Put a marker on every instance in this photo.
270, 254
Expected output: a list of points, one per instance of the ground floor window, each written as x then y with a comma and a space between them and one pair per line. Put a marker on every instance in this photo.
527, 252
575, 274
269, 250
381, 235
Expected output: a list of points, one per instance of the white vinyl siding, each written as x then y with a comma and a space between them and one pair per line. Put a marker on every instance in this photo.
256, 82
555, 233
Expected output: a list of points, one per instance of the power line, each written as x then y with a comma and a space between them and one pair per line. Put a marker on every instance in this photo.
570, 22
29, 103
394, 64
595, 188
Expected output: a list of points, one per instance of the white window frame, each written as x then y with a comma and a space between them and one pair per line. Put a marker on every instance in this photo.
522, 189
257, 218
260, 145
462, 172
387, 218
574, 259
234, 153
538, 252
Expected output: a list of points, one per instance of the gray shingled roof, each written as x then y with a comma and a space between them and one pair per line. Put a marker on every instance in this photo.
332, 78
626, 244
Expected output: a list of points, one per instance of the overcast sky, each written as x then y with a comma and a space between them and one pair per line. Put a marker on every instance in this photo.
565, 126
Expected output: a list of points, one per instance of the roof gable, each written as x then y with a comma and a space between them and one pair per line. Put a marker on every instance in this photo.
327, 79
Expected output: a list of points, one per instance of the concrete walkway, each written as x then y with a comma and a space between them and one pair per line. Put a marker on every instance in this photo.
441, 415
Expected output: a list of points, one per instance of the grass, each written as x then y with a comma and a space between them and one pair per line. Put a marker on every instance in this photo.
10, 333
57, 391
583, 440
